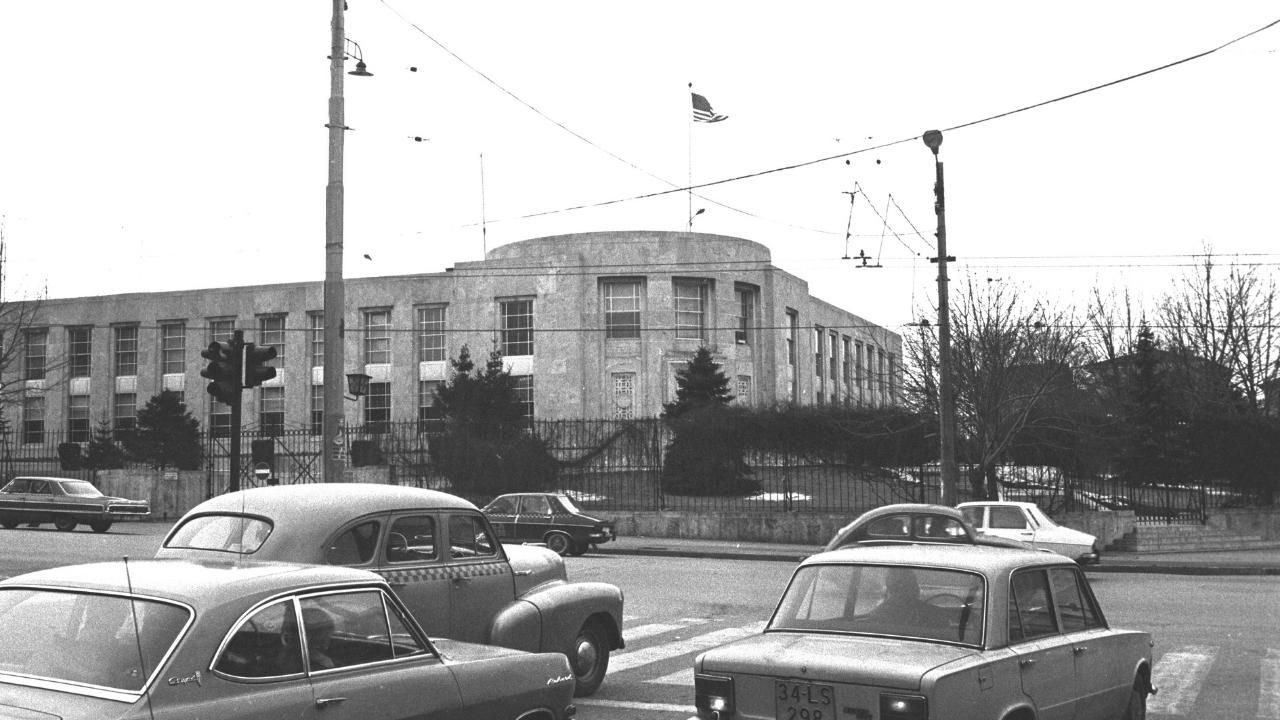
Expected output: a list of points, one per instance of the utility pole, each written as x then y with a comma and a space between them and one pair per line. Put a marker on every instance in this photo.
334, 439
946, 392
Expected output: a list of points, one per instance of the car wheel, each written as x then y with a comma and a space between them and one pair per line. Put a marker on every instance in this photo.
577, 549
559, 543
589, 658
100, 526
9, 524
64, 524
1137, 708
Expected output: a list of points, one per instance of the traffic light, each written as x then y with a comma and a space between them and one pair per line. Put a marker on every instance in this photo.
223, 371
256, 369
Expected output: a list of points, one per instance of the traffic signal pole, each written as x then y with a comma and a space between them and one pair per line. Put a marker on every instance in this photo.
233, 464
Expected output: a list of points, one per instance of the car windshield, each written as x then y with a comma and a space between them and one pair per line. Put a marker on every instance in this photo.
927, 603
80, 488
86, 638
238, 534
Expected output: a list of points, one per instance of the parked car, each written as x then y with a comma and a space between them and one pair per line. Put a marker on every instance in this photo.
914, 523
551, 518
436, 550
174, 638
65, 502
912, 632
1026, 522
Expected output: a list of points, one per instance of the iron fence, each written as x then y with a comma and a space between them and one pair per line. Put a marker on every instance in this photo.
617, 466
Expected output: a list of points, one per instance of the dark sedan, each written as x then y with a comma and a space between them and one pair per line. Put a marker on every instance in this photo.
65, 502
551, 518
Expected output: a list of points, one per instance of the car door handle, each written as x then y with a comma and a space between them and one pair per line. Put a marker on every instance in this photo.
1027, 662
1079, 649
522, 573
326, 702
461, 580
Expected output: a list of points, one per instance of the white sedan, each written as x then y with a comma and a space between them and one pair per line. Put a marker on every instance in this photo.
1026, 522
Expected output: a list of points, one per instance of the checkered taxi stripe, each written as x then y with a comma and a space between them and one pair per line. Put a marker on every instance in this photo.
444, 572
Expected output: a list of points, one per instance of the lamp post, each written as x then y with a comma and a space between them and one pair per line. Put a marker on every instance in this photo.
334, 440
691, 217
947, 468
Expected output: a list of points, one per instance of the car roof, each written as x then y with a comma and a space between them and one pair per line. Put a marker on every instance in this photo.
328, 504
44, 477
915, 508
196, 582
979, 558
1008, 503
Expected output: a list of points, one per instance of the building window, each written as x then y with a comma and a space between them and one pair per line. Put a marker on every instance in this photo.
522, 390
377, 337
691, 308
624, 396
846, 366
36, 345
831, 356
219, 419
33, 420
271, 334
80, 351
221, 330
857, 365
126, 350
880, 377
622, 309
271, 411
316, 324
746, 313
377, 408
78, 418
317, 409
793, 328
173, 348
126, 414
893, 381
517, 327
744, 390
431, 345
429, 414
818, 335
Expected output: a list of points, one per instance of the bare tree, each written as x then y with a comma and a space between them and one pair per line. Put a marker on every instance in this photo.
16, 319
1012, 370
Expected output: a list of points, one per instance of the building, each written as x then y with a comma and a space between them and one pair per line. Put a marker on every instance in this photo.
593, 325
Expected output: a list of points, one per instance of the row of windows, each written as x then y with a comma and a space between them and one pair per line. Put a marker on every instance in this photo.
691, 297
841, 359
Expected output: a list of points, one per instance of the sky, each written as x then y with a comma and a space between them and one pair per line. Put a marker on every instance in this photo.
171, 144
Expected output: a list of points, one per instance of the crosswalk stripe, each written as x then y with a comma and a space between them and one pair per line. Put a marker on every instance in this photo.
627, 660
1178, 675
680, 677
1269, 690
629, 705
641, 632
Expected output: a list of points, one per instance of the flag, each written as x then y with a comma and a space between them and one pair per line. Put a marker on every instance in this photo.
702, 111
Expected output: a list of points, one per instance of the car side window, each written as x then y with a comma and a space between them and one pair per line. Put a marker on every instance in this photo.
972, 515
938, 527
355, 545
1008, 518
502, 506
40, 488
1075, 606
468, 538
1030, 614
412, 539
893, 526
345, 629
264, 645
17, 486
535, 505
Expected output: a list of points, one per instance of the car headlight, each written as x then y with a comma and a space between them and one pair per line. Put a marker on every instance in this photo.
713, 693
903, 707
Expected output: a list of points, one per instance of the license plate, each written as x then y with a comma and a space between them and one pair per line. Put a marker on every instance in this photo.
804, 701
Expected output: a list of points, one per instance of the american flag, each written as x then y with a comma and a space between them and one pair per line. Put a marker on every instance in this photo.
702, 111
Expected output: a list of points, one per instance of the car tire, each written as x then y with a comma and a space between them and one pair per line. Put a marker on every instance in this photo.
100, 526
1137, 707
589, 658
9, 524
64, 524
559, 543
577, 548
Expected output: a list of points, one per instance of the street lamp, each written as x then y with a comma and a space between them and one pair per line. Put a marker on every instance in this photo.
691, 217
948, 470
358, 385
334, 443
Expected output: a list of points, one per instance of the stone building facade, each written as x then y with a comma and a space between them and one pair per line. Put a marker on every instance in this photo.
593, 325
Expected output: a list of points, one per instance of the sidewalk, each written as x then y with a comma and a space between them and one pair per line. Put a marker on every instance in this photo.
1230, 562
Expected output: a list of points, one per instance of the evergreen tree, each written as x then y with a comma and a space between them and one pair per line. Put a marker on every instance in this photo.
705, 454
1150, 450
167, 435
103, 453
483, 396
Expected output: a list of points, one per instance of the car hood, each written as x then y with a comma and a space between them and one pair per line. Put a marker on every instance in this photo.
533, 565
859, 660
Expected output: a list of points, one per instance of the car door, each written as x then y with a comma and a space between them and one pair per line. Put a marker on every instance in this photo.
377, 667
479, 576
534, 519
412, 562
1046, 658
502, 516
1101, 682
1009, 521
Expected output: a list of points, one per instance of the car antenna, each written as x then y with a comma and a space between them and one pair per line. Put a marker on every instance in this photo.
137, 639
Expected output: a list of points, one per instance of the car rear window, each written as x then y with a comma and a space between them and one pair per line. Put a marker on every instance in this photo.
239, 534
107, 641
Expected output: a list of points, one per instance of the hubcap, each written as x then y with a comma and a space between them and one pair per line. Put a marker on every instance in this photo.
586, 653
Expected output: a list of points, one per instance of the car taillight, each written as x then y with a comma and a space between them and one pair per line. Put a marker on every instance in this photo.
713, 693
903, 707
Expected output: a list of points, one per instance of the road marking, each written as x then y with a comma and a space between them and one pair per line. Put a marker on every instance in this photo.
634, 659
1178, 675
1269, 686
641, 632
680, 677
626, 705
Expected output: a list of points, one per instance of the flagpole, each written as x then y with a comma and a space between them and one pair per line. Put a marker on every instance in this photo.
689, 165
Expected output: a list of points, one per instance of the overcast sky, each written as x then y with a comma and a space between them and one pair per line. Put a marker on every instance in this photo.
172, 144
